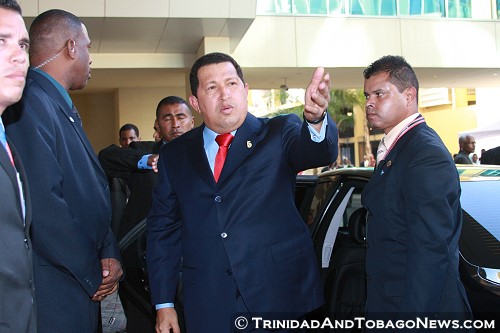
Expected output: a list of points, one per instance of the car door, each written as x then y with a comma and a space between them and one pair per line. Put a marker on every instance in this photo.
339, 246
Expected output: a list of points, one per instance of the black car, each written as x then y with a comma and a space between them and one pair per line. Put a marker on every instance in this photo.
330, 205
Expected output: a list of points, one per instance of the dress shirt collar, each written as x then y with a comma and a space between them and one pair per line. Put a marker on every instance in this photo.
59, 87
393, 134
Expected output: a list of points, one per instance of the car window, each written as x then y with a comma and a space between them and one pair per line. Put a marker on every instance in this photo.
332, 224
304, 194
322, 195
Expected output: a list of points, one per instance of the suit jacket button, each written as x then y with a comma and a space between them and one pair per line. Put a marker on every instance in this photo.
218, 199
223, 235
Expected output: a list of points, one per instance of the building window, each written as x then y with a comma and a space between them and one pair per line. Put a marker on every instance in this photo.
459, 8
422, 8
433, 8
373, 7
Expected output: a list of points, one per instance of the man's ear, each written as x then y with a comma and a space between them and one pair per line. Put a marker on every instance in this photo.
411, 95
71, 48
194, 103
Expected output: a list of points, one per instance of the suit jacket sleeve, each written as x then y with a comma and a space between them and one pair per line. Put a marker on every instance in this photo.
164, 234
302, 152
60, 238
119, 162
431, 193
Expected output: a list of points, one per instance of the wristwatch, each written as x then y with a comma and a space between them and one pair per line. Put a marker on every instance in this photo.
317, 121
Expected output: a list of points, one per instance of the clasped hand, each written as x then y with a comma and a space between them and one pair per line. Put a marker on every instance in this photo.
111, 275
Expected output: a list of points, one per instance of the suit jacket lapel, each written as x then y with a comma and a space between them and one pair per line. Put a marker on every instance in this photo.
75, 123
11, 172
391, 159
7, 165
24, 184
198, 155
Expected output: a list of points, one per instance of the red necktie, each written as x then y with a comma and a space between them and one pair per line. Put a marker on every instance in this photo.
223, 140
10, 154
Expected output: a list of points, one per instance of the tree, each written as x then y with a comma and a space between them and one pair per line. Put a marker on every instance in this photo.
341, 110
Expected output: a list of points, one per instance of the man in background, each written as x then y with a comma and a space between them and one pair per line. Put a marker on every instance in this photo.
135, 164
76, 260
17, 308
467, 145
118, 186
128, 133
491, 156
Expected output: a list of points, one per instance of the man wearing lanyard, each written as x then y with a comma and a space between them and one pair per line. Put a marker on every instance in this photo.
413, 203
17, 312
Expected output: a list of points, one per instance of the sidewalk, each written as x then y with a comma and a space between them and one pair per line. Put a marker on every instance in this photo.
111, 307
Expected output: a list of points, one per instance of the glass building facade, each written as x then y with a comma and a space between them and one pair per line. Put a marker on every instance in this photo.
431, 8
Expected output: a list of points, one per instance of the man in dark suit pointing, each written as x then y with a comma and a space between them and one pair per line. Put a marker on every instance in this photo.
233, 220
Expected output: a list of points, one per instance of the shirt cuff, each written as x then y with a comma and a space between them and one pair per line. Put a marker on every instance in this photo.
164, 305
143, 163
315, 136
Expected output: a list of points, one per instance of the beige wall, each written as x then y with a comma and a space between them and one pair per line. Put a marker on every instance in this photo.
356, 42
98, 117
104, 114
138, 106
447, 123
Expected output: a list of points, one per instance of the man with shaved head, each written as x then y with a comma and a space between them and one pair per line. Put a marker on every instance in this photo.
76, 260
467, 145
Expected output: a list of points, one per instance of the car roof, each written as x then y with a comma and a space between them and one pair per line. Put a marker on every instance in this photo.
467, 172
481, 172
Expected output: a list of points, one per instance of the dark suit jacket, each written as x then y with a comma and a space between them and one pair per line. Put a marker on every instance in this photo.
16, 268
462, 158
414, 225
241, 235
491, 156
71, 207
122, 163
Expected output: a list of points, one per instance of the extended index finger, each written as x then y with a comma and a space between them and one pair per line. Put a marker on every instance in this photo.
316, 78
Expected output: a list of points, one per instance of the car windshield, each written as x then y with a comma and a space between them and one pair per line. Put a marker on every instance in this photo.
480, 201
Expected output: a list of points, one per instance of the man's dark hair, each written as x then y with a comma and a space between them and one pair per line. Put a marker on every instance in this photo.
128, 127
12, 5
171, 100
400, 72
210, 59
50, 28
